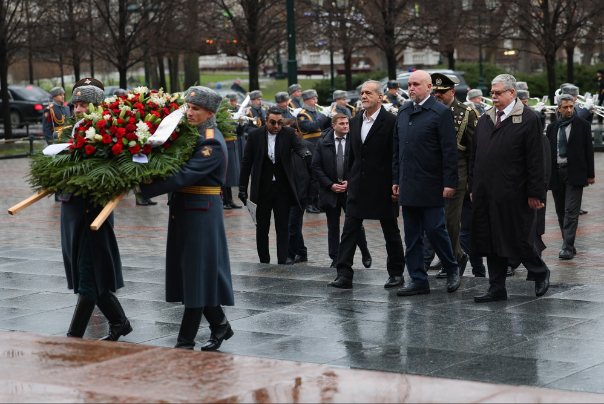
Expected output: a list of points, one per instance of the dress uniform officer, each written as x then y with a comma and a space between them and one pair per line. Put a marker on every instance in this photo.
310, 121
465, 120
56, 114
340, 106
91, 258
282, 99
198, 270
295, 92
255, 110
392, 96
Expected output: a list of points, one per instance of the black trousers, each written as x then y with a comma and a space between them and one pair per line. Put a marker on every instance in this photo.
333, 228
279, 204
498, 268
296, 239
568, 203
350, 236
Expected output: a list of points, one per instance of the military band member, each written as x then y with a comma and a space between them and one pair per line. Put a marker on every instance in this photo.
233, 100
340, 106
295, 92
255, 110
91, 258
475, 101
282, 99
56, 114
392, 96
310, 121
573, 90
359, 104
198, 270
465, 120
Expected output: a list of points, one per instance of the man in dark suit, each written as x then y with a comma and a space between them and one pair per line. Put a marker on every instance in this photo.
370, 187
267, 158
572, 159
424, 172
329, 164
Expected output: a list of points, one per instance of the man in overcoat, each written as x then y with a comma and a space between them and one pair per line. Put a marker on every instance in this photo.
267, 157
424, 173
91, 258
370, 187
198, 269
507, 180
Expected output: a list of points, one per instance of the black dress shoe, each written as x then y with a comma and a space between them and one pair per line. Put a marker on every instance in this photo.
542, 286
394, 281
235, 205
436, 266
151, 202
566, 255
224, 332
226, 206
442, 274
341, 283
413, 289
300, 258
489, 297
312, 209
142, 202
582, 212
453, 281
366, 260
510, 272
289, 261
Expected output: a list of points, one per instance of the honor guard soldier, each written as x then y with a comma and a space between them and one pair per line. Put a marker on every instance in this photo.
465, 120
295, 92
340, 106
56, 114
475, 101
233, 100
282, 99
392, 96
310, 121
255, 110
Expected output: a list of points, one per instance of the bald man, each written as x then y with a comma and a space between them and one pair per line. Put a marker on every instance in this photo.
424, 173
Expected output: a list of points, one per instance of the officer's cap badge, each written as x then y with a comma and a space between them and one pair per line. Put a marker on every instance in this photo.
192, 94
439, 82
79, 93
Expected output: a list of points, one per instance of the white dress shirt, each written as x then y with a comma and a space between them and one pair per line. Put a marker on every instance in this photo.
272, 139
507, 111
368, 123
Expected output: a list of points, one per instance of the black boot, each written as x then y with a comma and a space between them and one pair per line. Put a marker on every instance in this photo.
112, 309
81, 316
188, 328
220, 327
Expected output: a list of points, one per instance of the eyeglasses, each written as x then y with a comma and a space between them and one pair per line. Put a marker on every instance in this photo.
276, 123
498, 93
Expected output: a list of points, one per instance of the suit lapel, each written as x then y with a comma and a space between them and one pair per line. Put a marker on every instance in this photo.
379, 120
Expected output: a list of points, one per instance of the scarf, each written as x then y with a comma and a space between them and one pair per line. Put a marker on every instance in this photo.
210, 123
57, 103
562, 142
309, 108
257, 107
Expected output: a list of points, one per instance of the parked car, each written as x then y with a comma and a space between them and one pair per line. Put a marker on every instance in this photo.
461, 89
27, 104
110, 89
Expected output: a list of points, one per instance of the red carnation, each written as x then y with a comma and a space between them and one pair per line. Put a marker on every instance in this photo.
120, 121
138, 105
147, 148
149, 124
121, 132
113, 129
131, 136
101, 124
107, 139
120, 141
156, 114
174, 136
166, 145
82, 128
117, 148
154, 91
131, 128
166, 111
131, 120
81, 142
89, 149
135, 149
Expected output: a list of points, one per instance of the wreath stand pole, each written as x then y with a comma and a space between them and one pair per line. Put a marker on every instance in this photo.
29, 201
100, 219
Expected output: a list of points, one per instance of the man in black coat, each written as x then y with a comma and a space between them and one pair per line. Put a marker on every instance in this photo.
370, 187
267, 158
424, 172
329, 164
572, 161
507, 182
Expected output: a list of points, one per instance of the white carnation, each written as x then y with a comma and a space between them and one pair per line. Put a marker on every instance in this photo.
140, 90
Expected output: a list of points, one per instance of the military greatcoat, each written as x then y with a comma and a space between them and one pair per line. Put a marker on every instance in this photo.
198, 270
55, 117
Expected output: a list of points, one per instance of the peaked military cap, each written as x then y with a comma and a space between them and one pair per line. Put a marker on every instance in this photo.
521, 85
89, 90
294, 87
474, 93
255, 94
281, 96
522, 94
339, 94
204, 97
56, 91
393, 84
443, 82
309, 94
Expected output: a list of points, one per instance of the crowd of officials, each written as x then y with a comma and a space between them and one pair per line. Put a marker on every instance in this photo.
469, 181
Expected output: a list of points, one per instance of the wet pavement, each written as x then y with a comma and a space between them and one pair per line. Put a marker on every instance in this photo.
288, 313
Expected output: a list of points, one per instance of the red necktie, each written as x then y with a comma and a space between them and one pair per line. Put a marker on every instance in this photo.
499, 115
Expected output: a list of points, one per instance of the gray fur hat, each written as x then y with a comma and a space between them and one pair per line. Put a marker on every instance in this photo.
522, 94
204, 97
120, 91
339, 94
359, 88
309, 94
88, 94
281, 96
474, 93
232, 96
569, 89
521, 85
255, 94
294, 87
56, 91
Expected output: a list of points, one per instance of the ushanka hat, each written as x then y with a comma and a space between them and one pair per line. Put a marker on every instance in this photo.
521, 85
569, 89
204, 97
294, 87
281, 96
309, 94
255, 94
474, 93
88, 90
56, 91
339, 94
232, 96
522, 94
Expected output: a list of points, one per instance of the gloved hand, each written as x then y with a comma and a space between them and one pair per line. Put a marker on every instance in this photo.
307, 157
588, 104
243, 195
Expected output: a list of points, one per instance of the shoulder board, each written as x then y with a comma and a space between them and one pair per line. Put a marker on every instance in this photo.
209, 133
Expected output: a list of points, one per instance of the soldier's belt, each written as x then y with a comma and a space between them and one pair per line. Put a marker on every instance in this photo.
199, 190
311, 135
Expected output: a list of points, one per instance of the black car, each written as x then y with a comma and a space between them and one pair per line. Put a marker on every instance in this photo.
27, 104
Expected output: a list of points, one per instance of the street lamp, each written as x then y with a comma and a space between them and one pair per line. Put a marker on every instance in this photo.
490, 6
292, 63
